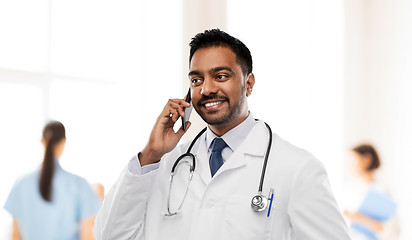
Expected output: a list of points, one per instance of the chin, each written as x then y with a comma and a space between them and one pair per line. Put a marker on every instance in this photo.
217, 119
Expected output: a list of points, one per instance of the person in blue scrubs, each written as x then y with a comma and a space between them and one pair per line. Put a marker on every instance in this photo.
51, 203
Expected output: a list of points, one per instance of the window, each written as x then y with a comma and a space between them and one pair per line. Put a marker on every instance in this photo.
98, 67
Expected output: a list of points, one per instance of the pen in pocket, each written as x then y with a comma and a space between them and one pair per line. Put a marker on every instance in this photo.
271, 200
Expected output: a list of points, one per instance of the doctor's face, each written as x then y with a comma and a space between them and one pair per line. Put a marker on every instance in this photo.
219, 87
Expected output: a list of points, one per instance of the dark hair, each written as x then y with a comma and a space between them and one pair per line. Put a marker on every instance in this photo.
369, 150
218, 38
53, 133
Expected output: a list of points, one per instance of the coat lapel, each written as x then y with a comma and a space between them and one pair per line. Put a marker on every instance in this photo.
255, 144
202, 162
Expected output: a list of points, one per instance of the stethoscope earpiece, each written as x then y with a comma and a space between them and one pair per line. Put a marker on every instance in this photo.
259, 203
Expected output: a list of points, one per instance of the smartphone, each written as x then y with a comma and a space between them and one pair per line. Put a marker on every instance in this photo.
188, 110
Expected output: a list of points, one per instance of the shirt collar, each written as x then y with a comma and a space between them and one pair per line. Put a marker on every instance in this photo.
235, 136
57, 165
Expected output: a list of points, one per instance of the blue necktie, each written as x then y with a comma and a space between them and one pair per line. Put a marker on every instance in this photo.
216, 160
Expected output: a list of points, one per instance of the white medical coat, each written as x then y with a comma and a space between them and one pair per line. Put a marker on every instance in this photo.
219, 207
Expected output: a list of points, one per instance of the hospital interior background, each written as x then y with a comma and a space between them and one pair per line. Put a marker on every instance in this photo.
329, 75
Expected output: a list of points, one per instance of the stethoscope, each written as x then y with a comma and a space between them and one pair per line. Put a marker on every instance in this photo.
258, 203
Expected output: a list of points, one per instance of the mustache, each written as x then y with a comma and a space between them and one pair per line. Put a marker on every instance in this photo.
211, 97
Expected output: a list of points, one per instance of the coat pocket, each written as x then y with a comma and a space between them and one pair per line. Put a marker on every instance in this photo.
242, 222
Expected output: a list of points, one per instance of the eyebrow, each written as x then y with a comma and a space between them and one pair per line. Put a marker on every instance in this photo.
221, 68
213, 70
194, 72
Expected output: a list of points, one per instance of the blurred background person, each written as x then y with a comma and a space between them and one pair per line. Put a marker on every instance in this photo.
369, 208
51, 203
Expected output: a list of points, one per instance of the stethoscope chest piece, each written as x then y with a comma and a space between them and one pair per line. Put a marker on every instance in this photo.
259, 203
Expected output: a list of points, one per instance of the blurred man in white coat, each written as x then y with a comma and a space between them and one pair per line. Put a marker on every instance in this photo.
235, 180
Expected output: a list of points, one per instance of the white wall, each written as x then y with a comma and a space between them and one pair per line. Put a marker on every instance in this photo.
378, 86
100, 67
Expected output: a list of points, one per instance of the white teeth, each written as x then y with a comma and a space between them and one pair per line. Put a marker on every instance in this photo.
213, 104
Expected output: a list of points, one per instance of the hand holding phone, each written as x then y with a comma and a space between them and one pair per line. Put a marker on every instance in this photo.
164, 137
188, 110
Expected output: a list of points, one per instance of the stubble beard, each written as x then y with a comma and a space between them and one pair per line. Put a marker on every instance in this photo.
225, 117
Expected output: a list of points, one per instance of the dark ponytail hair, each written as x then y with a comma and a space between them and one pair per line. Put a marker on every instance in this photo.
53, 133
369, 150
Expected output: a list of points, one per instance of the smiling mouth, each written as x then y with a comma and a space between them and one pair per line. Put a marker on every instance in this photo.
212, 104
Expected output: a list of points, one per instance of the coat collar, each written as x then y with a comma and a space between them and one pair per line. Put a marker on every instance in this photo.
257, 141
235, 136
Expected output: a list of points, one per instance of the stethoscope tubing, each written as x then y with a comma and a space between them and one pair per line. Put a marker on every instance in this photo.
188, 153
192, 168
262, 177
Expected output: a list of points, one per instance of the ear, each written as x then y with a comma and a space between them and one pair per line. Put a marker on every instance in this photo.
43, 142
250, 82
367, 159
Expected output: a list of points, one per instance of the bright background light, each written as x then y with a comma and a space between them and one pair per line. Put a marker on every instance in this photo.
298, 65
329, 75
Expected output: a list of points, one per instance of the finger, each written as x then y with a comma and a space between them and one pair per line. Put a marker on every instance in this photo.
173, 114
179, 107
166, 117
180, 102
173, 109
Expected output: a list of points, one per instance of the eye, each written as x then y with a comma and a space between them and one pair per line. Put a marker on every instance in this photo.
221, 77
196, 81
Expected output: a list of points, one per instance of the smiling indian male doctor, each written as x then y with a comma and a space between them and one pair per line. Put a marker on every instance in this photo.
217, 204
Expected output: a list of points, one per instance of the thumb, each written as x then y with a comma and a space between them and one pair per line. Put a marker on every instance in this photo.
181, 132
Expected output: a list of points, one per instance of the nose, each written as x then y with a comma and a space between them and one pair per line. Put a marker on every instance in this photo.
209, 87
